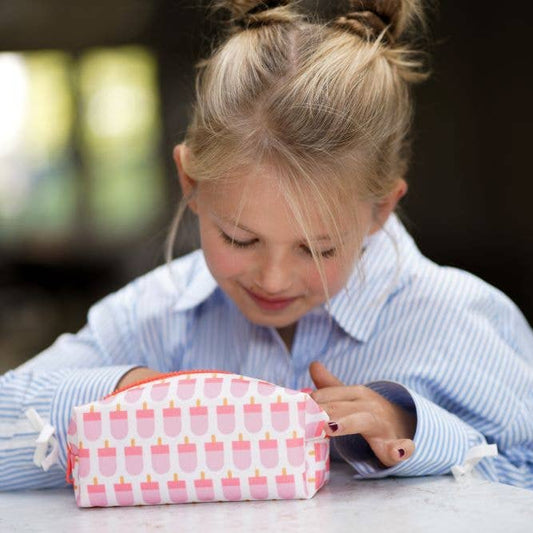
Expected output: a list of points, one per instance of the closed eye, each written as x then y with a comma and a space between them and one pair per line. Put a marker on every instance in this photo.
247, 244
238, 244
325, 253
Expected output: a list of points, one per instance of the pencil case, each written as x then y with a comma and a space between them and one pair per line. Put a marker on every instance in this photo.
197, 436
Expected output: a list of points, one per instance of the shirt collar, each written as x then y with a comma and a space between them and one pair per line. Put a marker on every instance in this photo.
387, 265
194, 281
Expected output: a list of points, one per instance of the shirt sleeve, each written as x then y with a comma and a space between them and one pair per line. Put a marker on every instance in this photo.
76, 369
483, 394
442, 441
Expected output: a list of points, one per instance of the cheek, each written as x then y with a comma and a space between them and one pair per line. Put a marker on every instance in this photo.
335, 275
222, 260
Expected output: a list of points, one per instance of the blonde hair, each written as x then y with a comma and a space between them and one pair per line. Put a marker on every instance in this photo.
325, 105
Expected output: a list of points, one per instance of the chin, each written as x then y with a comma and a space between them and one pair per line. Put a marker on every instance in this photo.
274, 321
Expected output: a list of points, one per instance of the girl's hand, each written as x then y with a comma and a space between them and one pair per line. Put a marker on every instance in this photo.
136, 374
386, 427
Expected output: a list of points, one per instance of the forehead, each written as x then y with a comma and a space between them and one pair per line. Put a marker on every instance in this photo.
258, 201
251, 189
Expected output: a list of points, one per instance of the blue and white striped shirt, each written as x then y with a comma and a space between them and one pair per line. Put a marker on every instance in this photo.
433, 339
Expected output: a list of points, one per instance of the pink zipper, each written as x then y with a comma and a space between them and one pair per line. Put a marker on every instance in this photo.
71, 457
165, 376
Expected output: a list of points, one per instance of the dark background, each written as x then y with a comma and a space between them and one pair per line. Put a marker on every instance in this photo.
470, 196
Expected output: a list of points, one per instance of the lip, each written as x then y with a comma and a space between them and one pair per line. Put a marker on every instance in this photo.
270, 304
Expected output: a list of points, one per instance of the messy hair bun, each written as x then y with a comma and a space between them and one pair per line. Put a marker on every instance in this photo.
246, 14
370, 19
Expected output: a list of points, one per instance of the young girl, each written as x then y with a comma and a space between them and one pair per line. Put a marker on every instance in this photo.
294, 162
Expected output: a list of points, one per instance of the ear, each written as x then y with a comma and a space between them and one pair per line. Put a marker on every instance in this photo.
383, 209
181, 153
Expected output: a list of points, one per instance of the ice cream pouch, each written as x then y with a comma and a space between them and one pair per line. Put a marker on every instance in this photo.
197, 436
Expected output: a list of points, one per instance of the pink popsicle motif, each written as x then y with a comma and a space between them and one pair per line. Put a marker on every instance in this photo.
279, 413
134, 459
160, 457
97, 494
204, 488
295, 450
145, 421
285, 485
253, 418
212, 386
123, 492
214, 454
92, 424
84, 459
242, 455
172, 420
239, 386
159, 390
265, 388
150, 491
119, 423
133, 395
185, 388
258, 486
268, 450
231, 487
177, 490
107, 460
226, 417
199, 419
187, 456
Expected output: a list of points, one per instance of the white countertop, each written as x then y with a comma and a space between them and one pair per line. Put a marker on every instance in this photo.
410, 505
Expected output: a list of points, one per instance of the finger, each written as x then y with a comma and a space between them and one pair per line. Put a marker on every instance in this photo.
338, 410
342, 393
388, 450
364, 423
393, 451
322, 377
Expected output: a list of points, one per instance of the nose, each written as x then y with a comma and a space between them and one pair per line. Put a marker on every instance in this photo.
274, 275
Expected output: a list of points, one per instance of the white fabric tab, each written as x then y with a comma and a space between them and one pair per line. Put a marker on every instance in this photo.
473, 456
44, 440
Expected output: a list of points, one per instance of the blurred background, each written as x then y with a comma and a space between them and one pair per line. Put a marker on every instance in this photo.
94, 95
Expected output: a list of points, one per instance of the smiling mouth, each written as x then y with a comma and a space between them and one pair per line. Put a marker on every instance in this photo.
270, 304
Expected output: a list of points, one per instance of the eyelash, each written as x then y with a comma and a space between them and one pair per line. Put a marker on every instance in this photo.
238, 244
326, 254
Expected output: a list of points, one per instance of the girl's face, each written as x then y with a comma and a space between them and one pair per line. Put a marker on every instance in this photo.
258, 254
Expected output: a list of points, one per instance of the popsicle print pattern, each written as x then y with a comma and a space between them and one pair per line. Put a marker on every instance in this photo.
195, 437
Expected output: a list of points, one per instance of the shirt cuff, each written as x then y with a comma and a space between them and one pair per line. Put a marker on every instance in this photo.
442, 440
77, 388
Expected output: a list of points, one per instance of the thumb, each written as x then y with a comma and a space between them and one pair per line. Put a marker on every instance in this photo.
322, 377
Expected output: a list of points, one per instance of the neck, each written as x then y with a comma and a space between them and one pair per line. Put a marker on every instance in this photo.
287, 335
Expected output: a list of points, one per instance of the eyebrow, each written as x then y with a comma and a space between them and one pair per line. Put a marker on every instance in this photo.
249, 230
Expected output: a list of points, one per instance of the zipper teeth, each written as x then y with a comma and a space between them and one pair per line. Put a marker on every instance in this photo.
165, 376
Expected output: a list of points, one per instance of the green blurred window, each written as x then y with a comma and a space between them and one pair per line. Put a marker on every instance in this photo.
79, 145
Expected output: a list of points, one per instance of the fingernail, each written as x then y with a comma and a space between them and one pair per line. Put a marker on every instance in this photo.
333, 426
401, 452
